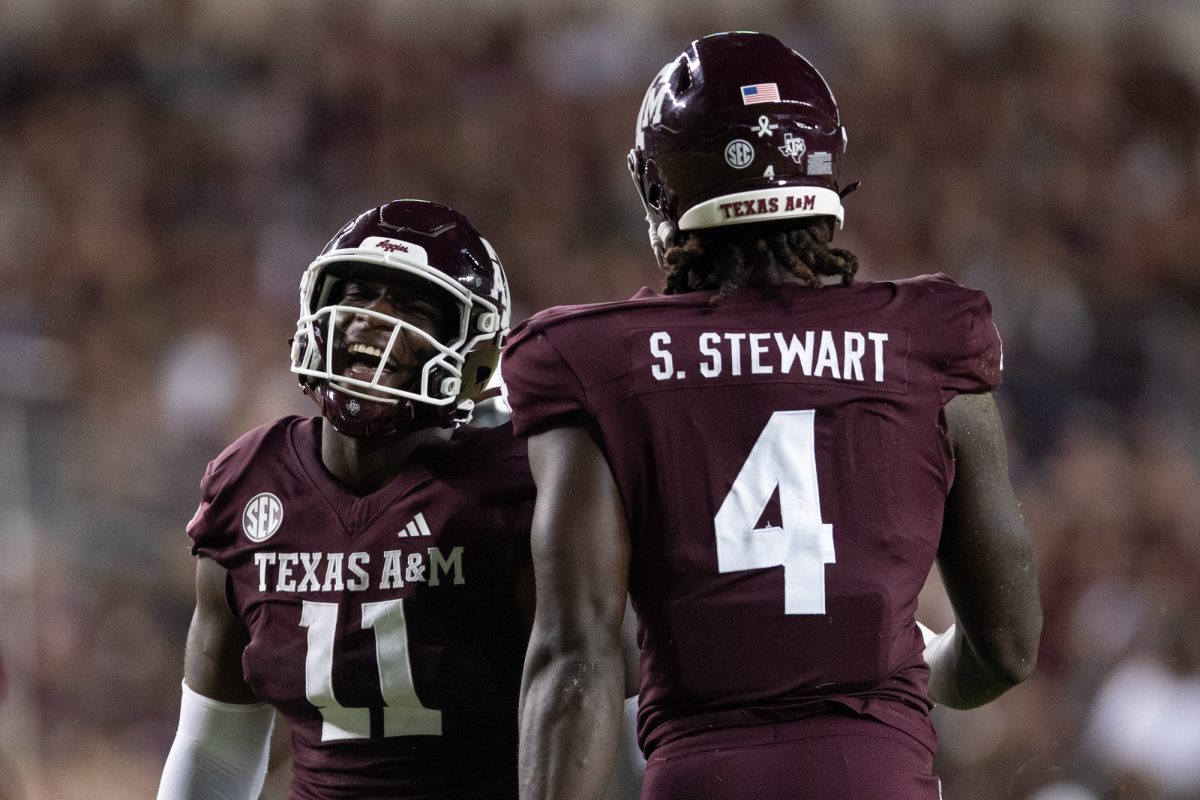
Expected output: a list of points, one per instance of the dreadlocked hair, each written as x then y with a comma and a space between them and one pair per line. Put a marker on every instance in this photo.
727, 258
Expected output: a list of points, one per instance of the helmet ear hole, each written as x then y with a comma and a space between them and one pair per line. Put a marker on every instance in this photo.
654, 195
681, 81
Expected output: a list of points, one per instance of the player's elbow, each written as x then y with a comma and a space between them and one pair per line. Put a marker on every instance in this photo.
1012, 655
1013, 668
574, 650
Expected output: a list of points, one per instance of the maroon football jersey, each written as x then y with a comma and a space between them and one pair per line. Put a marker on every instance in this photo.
385, 628
783, 462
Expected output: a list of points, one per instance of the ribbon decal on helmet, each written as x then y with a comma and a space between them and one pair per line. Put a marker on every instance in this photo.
765, 128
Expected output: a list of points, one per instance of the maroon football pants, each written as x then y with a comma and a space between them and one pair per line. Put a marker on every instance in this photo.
829, 757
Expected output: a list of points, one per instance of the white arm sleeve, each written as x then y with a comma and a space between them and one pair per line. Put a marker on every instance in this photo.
220, 750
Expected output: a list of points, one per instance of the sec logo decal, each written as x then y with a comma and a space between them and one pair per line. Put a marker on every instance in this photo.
262, 517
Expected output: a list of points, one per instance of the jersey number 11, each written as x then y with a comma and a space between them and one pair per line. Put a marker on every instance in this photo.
403, 714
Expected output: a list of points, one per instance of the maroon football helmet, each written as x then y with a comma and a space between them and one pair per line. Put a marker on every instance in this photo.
403, 240
739, 128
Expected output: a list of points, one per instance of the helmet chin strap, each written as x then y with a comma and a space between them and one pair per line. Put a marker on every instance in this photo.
360, 418
660, 233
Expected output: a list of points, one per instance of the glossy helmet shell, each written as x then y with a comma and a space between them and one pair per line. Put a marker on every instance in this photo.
738, 129
405, 238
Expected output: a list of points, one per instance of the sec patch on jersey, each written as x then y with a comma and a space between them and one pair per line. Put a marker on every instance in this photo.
262, 517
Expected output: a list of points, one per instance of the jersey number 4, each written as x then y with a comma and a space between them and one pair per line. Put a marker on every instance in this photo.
403, 714
785, 457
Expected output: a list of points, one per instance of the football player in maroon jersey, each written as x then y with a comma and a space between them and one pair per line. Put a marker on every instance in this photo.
771, 455
365, 572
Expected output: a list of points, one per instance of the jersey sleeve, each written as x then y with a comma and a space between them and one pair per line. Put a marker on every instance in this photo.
539, 382
209, 530
973, 358
215, 527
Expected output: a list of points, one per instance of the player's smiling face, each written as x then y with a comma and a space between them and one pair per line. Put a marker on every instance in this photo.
363, 339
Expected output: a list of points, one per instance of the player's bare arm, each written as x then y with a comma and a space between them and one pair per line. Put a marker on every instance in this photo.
574, 683
987, 564
212, 664
526, 603
221, 748
629, 766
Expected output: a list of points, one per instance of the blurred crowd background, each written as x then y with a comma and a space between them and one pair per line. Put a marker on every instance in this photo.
169, 167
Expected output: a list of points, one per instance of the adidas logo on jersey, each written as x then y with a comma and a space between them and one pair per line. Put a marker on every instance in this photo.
417, 527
